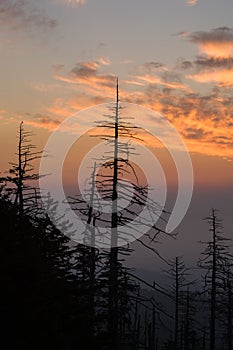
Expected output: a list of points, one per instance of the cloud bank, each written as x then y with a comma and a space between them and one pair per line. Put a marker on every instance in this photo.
214, 64
205, 120
217, 43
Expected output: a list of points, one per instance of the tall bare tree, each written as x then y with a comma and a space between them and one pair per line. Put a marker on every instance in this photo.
113, 187
117, 131
178, 275
215, 256
22, 175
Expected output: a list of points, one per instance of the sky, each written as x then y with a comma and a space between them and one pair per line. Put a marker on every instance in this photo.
174, 57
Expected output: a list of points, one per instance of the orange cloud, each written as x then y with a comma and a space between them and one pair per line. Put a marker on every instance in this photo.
60, 108
191, 2
2, 111
217, 49
89, 76
204, 121
216, 43
222, 76
215, 65
45, 122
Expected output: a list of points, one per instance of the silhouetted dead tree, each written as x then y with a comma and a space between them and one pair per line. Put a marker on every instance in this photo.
87, 256
113, 188
21, 174
225, 302
178, 274
110, 170
228, 284
215, 256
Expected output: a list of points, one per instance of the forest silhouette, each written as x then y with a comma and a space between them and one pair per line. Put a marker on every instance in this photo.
57, 294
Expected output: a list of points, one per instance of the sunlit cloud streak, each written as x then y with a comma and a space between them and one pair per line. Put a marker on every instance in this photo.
63, 108
89, 76
223, 76
156, 73
75, 2
148, 79
191, 2
43, 121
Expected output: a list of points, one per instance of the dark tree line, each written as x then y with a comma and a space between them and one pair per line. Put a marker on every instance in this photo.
59, 295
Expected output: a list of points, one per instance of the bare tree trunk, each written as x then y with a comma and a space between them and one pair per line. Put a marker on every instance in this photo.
145, 332
215, 254
138, 332
181, 337
176, 305
90, 219
186, 341
113, 278
229, 312
204, 339
136, 312
20, 170
157, 344
213, 286
150, 345
153, 328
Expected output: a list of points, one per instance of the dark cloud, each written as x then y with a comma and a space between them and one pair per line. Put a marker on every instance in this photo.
224, 138
204, 62
171, 76
24, 15
196, 134
183, 33
84, 70
45, 119
90, 72
221, 34
150, 66
212, 62
42, 121
184, 64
